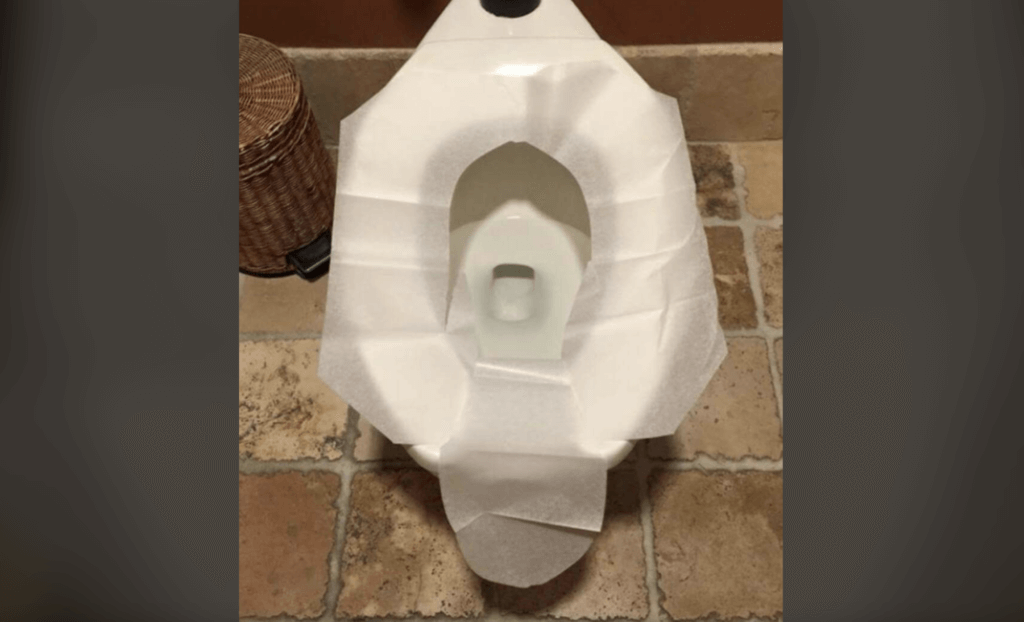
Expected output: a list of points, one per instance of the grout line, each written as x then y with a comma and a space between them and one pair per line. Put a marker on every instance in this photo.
748, 228
333, 591
287, 336
702, 462
252, 466
707, 463
348, 439
345, 469
671, 50
386, 465
708, 142
767, 332
348, 443
717, 221
654, 595
773, 365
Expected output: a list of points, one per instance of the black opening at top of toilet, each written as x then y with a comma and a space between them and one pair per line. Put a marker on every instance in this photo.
509, 8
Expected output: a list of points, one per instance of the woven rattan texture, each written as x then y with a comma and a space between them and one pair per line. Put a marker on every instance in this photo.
285, 176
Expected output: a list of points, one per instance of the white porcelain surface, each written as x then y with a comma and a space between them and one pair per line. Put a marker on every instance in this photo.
518, 317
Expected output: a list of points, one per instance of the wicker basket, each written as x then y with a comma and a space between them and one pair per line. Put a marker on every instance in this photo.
285, 176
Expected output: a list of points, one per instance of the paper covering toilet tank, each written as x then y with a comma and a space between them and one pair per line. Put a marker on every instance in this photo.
520, 434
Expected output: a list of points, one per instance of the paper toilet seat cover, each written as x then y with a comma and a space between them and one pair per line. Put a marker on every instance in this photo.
642, 340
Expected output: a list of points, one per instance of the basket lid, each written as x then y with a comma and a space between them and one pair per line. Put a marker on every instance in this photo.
268, 90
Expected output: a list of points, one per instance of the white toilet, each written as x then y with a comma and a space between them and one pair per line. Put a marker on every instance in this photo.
520, 284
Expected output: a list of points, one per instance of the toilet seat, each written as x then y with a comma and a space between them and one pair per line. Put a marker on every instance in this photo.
396, 175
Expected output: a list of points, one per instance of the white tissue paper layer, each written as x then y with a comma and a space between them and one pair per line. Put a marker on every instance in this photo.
521, 483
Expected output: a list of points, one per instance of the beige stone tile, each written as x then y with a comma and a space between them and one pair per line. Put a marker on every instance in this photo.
371, 445
284, 411
736, 308
286, 527
769, 255
400, 556
718, 543
734, 97
609, 582
666, 71
762, 163
736, 416
716, 184
337, 81
724, 94
282, 305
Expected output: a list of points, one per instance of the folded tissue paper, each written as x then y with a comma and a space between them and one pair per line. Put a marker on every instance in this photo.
522, 443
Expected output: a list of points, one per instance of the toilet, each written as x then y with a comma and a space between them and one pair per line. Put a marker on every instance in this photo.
520, 283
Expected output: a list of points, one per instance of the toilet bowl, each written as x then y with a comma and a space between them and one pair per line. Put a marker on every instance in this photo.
523, 270
520, 283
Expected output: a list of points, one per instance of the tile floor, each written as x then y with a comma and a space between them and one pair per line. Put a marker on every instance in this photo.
337, 523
